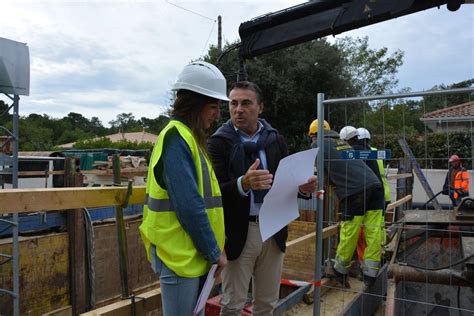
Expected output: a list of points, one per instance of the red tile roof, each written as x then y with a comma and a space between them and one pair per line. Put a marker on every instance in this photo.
461, 110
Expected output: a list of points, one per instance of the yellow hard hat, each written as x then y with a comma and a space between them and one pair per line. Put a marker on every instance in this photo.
313, 128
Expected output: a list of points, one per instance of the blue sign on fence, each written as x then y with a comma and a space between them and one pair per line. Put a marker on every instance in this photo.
367, 154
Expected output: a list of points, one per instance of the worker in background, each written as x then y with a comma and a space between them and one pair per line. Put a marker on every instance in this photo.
456, 184
364, 141
349, 134
353, 137
361, 202
246, 151
183, 218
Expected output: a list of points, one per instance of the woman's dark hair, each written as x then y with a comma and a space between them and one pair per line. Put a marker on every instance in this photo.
187, 107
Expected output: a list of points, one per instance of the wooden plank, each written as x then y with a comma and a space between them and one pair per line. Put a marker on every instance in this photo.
39, 173
397, 203
397, 176
44, 269
63, 311
141, 171
144, 303
328, 231
29, 200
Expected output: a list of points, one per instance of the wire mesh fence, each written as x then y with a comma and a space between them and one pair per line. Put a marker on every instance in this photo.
421, 242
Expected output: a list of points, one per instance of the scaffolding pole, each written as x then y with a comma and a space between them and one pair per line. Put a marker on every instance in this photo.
320, 208
16, 246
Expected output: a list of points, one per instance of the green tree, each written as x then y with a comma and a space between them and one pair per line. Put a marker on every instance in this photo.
154, 125
292, 77
76, 120
73, 135
436, 102
371, 71
96, 127
34, 136
125, 122
5, 116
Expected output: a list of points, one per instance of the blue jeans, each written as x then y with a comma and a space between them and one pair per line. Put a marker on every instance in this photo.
178, 294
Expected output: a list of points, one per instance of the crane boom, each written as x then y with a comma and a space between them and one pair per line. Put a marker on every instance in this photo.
317, 19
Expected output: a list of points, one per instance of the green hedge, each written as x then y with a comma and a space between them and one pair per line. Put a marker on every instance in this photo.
431, 151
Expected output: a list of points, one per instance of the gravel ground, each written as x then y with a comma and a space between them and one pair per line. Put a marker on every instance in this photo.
333, 301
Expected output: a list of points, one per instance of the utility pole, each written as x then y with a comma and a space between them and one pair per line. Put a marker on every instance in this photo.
219, 34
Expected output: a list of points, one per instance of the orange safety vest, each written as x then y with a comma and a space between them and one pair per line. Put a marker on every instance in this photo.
461, 181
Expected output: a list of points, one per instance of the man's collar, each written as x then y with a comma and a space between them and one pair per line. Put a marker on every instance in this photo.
260, 128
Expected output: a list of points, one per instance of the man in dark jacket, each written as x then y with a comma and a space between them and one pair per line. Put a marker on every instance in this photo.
360, 194
245, 152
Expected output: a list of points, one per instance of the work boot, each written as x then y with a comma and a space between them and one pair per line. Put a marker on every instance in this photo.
342, 279
369, 281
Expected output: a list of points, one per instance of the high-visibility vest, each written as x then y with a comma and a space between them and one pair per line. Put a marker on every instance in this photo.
160, 226
461, 181
386, 187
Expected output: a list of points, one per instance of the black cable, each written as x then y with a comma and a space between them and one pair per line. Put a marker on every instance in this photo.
228, 50
438, 268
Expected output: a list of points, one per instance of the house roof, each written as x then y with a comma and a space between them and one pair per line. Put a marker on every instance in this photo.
132, 137
461, 112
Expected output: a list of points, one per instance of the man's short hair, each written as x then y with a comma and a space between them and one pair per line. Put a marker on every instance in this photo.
250, 86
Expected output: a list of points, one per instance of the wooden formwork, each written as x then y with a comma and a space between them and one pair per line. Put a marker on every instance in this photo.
45, 266
300, 256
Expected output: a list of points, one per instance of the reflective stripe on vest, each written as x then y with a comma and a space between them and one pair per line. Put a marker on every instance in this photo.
160, 226
164, 205
386, 187
461, 181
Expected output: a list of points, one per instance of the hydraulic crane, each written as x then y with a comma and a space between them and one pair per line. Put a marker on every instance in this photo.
319, 18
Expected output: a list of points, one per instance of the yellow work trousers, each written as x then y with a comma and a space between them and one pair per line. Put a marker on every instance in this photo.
373, 223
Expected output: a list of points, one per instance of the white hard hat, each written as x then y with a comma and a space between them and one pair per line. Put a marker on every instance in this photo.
203, 78
363, 133
348, 132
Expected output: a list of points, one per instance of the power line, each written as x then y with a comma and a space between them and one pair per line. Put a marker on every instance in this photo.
210, 33
203, 16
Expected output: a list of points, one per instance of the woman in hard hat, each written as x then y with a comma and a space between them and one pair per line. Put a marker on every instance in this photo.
456, 184
183, 219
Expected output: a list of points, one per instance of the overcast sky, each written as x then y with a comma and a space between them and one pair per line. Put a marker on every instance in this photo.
103, 58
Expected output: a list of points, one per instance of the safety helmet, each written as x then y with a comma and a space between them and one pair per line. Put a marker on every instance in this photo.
313, 127
203, 78
363, 133
348, 132
454, 158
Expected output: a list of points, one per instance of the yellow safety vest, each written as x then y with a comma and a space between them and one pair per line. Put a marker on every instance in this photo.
160, 226
386, 187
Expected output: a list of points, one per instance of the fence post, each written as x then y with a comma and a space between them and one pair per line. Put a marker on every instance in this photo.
76, 234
